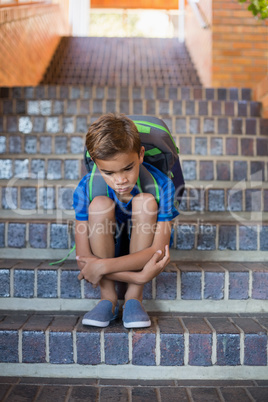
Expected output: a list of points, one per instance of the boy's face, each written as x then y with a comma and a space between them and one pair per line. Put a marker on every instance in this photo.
121, 172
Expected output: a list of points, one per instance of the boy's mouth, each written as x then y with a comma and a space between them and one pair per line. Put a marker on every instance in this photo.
123, 190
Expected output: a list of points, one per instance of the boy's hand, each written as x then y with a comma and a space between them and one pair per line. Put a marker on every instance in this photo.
90, 270
155, 265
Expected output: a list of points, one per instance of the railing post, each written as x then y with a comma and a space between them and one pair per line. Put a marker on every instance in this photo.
181, 20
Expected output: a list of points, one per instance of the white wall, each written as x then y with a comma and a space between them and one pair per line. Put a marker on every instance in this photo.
79, 17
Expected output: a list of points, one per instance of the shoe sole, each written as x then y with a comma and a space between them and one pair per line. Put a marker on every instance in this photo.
137, 324
94, 323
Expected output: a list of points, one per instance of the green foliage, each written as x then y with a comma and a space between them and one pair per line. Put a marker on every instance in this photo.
259, 8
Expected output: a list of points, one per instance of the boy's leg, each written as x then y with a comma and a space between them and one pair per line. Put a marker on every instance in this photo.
102, 228
144, 217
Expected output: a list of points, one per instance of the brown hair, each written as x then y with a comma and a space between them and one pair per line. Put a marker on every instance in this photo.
112, 133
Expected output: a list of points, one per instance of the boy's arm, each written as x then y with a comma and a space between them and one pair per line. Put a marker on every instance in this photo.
136, 261
130, 262
153, 268
82, 246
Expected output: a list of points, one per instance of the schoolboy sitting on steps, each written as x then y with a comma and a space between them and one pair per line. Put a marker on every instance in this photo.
113, 143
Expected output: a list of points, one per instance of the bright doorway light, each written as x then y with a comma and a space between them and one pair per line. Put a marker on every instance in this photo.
133, 23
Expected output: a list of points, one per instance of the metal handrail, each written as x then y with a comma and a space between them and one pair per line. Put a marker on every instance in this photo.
198, 14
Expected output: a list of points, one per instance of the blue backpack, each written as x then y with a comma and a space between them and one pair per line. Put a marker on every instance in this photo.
160, 152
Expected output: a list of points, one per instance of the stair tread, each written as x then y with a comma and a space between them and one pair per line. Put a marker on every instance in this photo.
228, 217
184, 286
255, 323
114, 53
173, 340
114, 388
210, 266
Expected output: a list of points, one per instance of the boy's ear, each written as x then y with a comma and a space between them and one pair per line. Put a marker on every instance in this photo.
142, 154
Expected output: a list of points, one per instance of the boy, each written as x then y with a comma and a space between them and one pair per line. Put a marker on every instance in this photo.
123, 213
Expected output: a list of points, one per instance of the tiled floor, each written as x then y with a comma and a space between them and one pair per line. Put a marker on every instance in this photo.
67, 390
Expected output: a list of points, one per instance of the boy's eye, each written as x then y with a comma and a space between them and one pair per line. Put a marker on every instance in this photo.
129, 168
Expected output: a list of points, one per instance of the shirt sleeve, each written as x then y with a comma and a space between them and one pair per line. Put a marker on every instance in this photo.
81, 200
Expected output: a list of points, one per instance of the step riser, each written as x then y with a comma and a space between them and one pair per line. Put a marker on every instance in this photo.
194, 287
58, 146
177, 346
150, 92
142, 105
201, 168
40, 195
178, 125
19, 239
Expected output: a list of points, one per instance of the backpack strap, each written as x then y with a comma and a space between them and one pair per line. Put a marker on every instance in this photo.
96, 185
146, 183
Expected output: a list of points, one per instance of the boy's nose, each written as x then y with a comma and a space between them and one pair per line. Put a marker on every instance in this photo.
120, 180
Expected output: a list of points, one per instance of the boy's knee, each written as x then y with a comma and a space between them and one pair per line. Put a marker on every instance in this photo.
102, 205
144, 204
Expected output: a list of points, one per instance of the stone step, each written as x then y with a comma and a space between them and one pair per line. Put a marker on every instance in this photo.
215, 197
158, 106
204, 172
232, 146
66, 146
165, 77
198, 237
199, 125
40, 195
121, 61
211, 287
128, 390
221, 168
183, 346
51, 93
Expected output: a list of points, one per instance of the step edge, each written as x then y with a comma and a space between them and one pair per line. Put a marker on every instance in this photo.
176, 254
135, 372
198, 217
249, 306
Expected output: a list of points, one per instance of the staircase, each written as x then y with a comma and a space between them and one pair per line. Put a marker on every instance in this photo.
209, 307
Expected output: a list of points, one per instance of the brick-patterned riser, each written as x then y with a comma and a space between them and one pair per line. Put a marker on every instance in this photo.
200, 235
162, 106
172, 341
42, 145
178, 125
201, 168
182, 287
21, 196
236, 199
150, 92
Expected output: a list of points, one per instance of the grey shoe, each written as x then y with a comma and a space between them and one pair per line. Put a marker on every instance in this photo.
134, 315
101, 315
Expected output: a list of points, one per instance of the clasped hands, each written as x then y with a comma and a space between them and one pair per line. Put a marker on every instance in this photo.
92, 269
